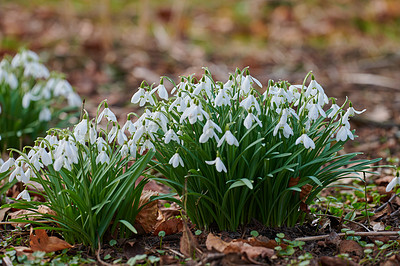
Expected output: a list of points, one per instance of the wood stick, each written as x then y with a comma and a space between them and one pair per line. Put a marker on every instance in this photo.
321, 237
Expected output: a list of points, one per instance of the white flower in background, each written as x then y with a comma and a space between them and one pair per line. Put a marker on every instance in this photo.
208, 131
74, 100
294, 90
395, 182
249, 102
36, 70
102, 157
124, 150
334, 110
306, 141
24, 195
176, 160
170, 135
229, 138
162, 91
343, 133
60, 87
219, 165
250, 118
26, 100
107, 113
45, 114
10, 162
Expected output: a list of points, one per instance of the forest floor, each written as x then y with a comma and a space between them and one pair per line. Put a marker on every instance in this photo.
352, 51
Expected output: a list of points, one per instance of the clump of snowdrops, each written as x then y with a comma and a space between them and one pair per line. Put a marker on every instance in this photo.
30, 98
89, 177
238, 150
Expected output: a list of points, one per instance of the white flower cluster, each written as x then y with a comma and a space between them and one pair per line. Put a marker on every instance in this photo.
297, 106
19, 72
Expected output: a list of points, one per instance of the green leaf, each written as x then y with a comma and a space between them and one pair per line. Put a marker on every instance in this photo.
128, 225
241, 182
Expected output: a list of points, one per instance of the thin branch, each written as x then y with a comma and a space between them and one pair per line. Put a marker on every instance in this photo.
321, 237
347, 220
386, 203
98, 256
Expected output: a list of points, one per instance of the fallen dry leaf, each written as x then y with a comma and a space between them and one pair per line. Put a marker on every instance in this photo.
351, 247
213, 242
169, 226
42, 242
188, 244
147, 217
335, 261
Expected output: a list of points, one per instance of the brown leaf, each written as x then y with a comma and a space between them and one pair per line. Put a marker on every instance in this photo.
42, 242
335, 261
24, 251
147, 217
170, 226
213, 242
351, 247
188, 244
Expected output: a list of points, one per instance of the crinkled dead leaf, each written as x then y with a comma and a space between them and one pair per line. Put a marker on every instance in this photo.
188, 244
351, 247
170, 226
147, 217
42, 242
214, 242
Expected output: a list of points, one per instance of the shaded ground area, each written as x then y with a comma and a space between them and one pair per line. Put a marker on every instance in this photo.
351, 46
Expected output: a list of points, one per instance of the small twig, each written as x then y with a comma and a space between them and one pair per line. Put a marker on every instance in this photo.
383, 206
347, 220
98, 256
44, 222
321, 237
176, 252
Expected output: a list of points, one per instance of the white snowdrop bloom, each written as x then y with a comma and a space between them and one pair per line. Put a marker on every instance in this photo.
102, 158
58, 163
249, 102
176, 160
34, 160
228, 85
229, 138
74, 100
107, 113
7, 165
46, 158
80, 130
334, 111
314, 110
162, 91
283, 125
23, 57
101, 143
112, 134
219, 165
193, 113
36, 70
147, 144
208, 131
51, 139
129, 126
124, 150
45, 114
351, 112
11, 80
139, 133
121, 137
139, 96
160, 119
250, 118
343, 133
24, 195
313, 88
26, 100
92, 135
170, 135
18, 173
132, 148
201, 86
61, 87
395, 181
181, 86
247, 84
28, 175
222, 98
306, 141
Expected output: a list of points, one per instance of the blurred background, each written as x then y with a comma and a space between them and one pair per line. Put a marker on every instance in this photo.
107, 47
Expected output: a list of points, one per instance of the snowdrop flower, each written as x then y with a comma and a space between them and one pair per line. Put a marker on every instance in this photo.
113, 133
176, 160
107, 113
45, 114
314, 110
139, 133
129, 126
250, 102
170, 135
230, 139
351, 112
395, 181
162, 91
334, 110
102, 158
58, 163
283, 125
222, 98
132, 148
250, 118
92, 135
247, 83
81, 129
147, 144
219, 165
193, 113
306, 141
124, 150
28, 175
344, 133
18, 173
46, 158
26, 100
208, 131
74, 100
10, 162
36, 70
24, 195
